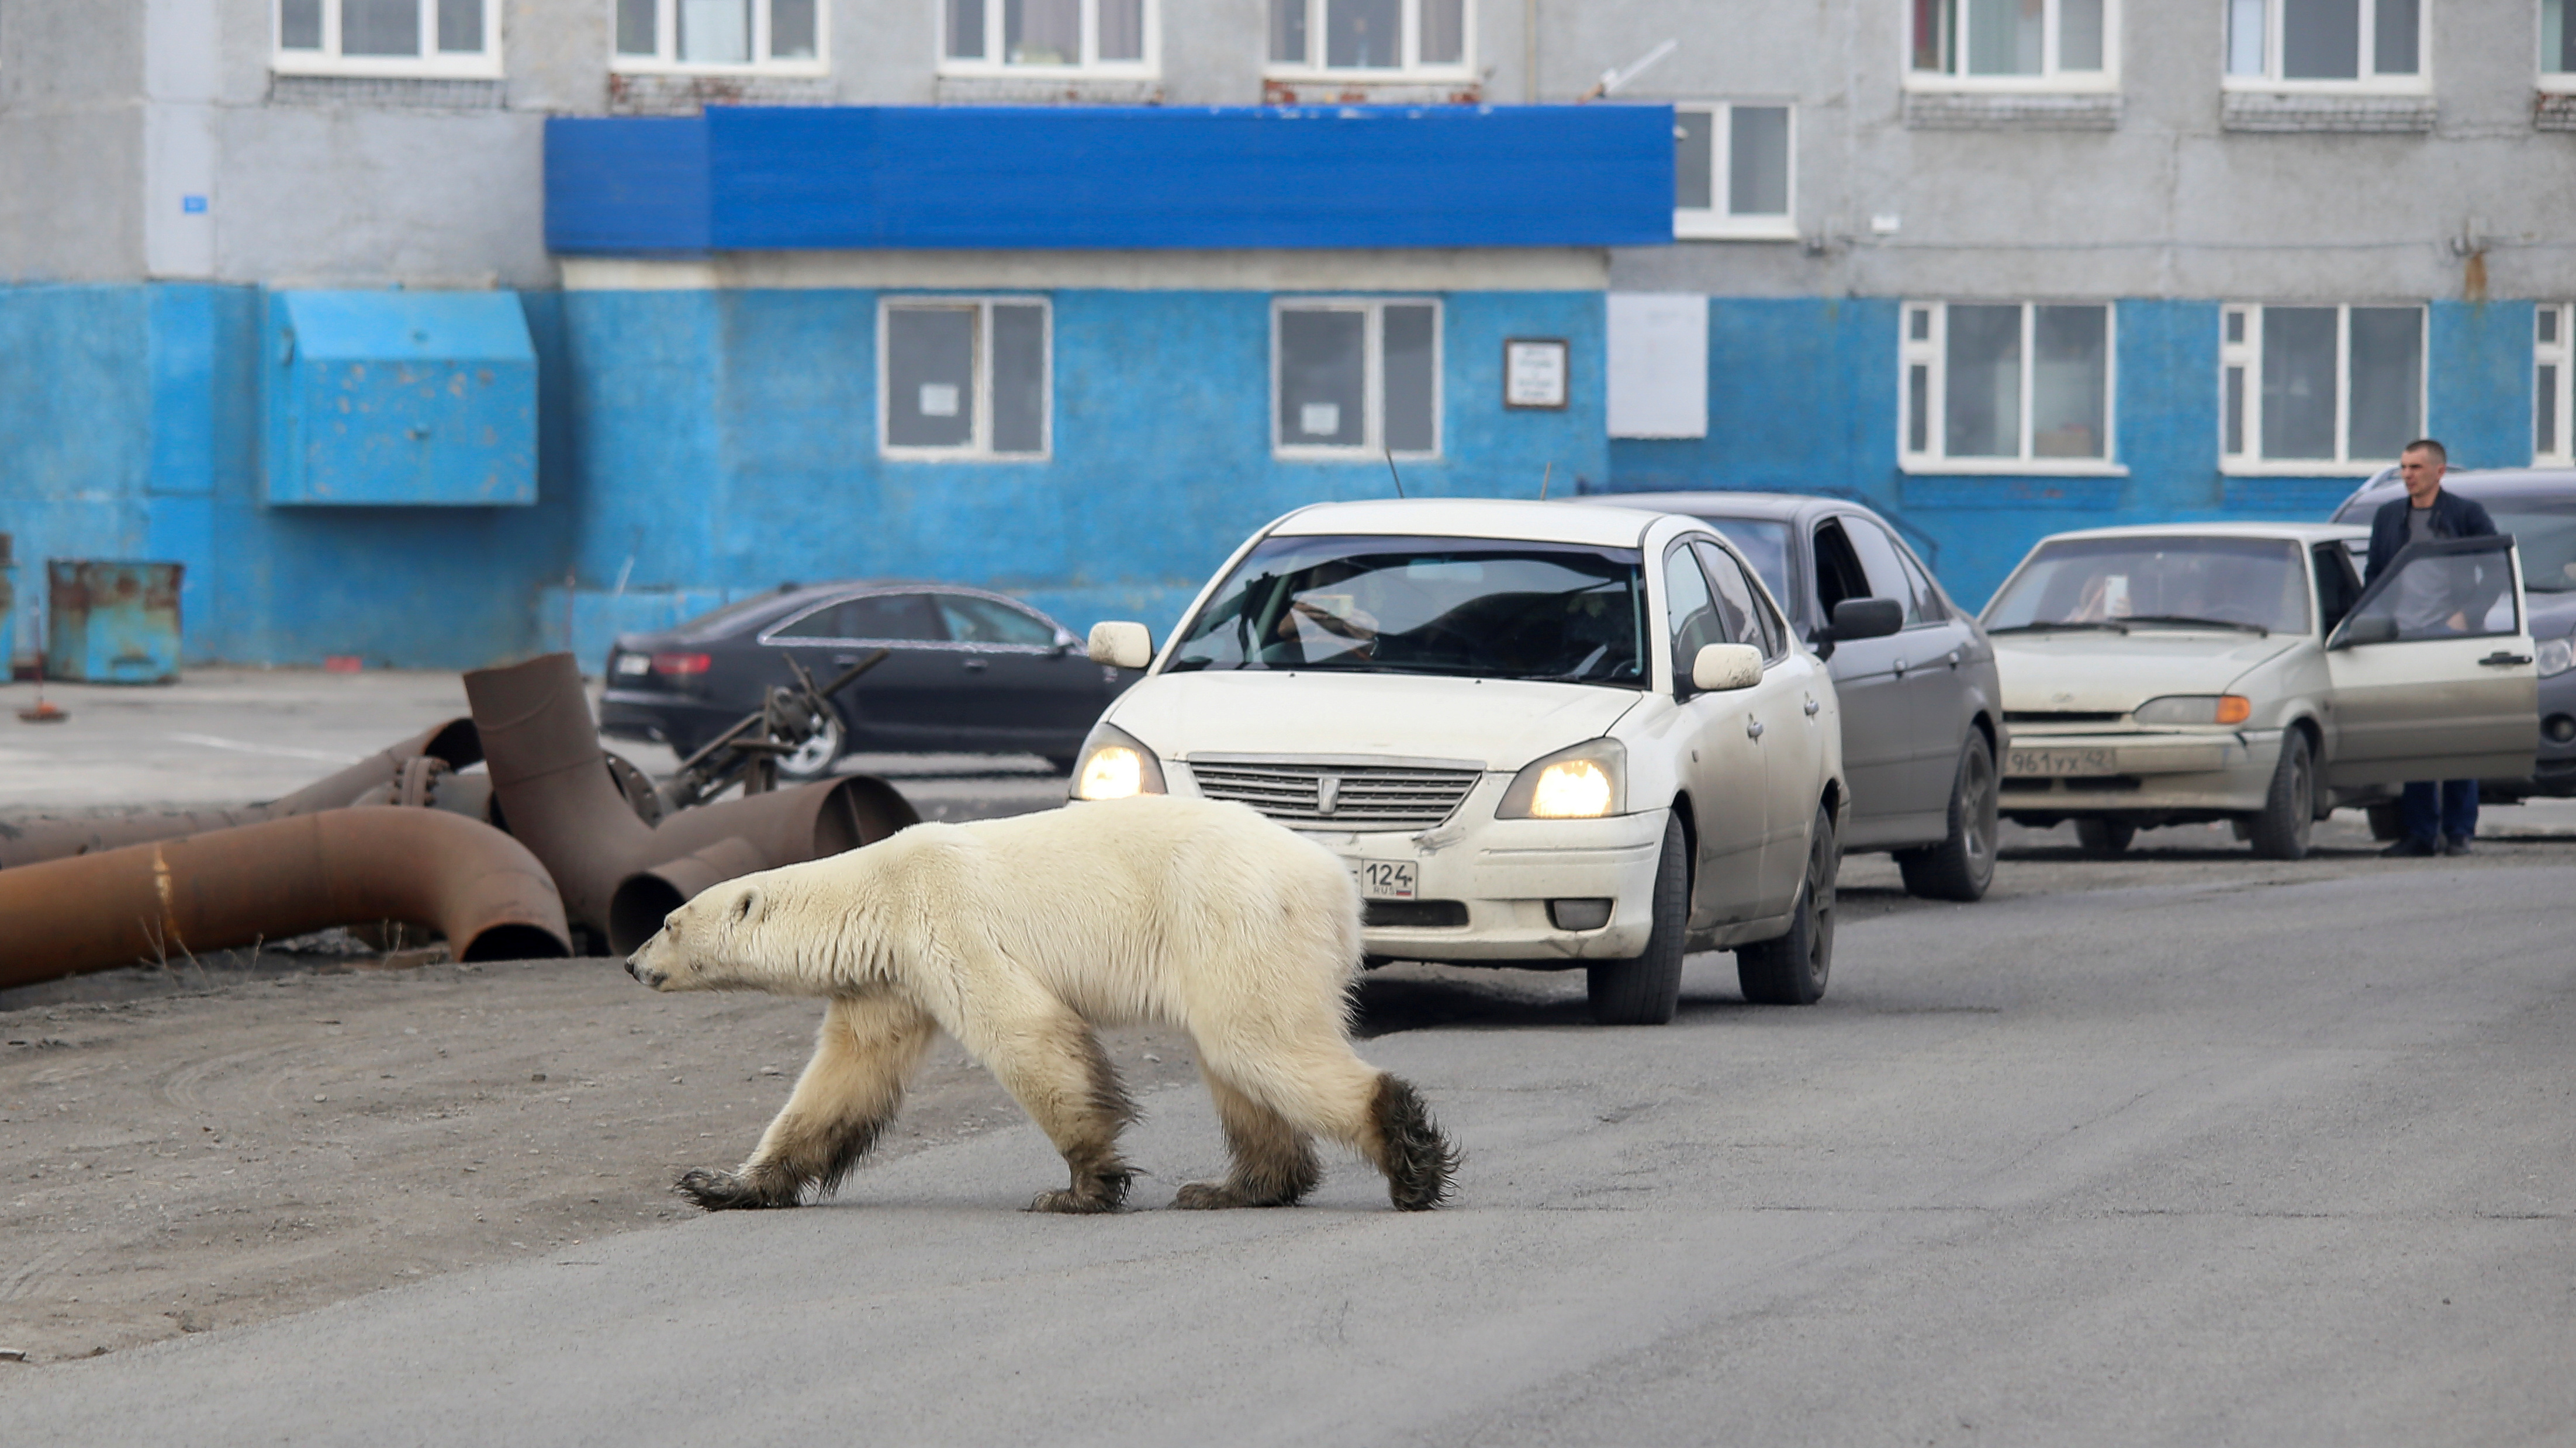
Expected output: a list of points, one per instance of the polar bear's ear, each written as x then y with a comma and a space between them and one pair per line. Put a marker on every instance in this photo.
746, 903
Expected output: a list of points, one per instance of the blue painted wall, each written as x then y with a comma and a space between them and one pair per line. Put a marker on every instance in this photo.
1058, 178
1803, 398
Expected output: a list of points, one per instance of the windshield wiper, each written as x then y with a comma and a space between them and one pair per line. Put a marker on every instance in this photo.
2049, 627
2196, 622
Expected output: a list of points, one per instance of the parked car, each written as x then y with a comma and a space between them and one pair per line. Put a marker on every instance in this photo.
968, 672
2538, 507
1538, 735
2157, 676
1922, 712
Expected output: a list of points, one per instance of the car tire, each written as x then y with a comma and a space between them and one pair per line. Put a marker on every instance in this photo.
815, 758
2289, 814
2387, 821
2104, 838
1646, 988
1963, 864
1794, 969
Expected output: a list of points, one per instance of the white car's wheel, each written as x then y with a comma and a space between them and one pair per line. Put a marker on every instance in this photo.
2104, 838
2289, 812
1793, 970
1646, 988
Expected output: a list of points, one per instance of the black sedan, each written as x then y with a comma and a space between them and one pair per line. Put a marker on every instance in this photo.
967, 672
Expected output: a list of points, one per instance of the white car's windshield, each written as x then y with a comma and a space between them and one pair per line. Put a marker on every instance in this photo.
2252, 584
1470, 607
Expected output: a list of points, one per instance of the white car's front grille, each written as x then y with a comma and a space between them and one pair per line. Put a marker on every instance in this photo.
1338, 796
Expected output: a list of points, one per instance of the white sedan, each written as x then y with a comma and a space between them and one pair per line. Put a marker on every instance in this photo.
1538, 735
2240, 672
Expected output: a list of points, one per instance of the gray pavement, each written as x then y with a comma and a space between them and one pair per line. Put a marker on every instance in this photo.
2230, 1161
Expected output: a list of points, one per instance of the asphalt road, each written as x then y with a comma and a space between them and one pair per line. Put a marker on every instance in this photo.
2239, 1159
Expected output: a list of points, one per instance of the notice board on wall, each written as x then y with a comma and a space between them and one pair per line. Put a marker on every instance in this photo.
1658, 365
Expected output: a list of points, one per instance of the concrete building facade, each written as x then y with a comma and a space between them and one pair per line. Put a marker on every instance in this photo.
1998, 267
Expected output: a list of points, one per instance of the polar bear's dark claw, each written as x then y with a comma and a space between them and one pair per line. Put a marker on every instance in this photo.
720, 1191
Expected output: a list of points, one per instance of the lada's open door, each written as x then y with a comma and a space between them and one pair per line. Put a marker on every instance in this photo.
2432, 670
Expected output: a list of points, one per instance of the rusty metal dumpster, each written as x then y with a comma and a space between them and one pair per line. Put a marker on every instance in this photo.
111, 622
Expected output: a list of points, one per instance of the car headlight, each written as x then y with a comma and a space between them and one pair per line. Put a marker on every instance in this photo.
1585, 782
2555, 656
2196, 709
1112, 765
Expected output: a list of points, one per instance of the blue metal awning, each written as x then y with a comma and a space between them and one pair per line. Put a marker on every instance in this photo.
1076, 178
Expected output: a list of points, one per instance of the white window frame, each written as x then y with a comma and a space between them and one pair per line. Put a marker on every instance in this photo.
2558, 82
2560, 354
2049, 79
1932, 352
2271, 80
1372, 443
1716, 222
431, 63
666, 46
1091, 66
2248, 354
1314, 69
978, 449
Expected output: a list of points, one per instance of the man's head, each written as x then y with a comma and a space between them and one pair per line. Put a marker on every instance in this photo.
2422, 465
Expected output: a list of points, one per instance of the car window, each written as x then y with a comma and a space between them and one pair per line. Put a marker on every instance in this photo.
1697, 615
1737, 598
1878, 560
1765, 544
1926, 595
2151, 581
2464, 593
2337, 584
872, 618
1462, 607
973, 620
1838, 572
2545, 531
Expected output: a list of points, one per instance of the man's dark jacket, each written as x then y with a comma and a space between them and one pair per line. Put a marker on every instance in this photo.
2453, 517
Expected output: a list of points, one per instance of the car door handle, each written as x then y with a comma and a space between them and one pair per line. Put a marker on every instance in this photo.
1812, 706
1752, 728
974, 666
2502, 660
845, 660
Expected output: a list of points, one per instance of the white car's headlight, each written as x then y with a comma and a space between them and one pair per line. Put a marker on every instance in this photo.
1585, 782
1113, 765
2196, 709
2555, 656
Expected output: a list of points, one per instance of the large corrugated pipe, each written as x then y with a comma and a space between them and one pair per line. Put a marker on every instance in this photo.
541, 747
162, 900
454, 744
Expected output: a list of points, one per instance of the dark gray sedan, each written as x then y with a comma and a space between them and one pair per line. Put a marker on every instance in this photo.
966, 672
1922, 712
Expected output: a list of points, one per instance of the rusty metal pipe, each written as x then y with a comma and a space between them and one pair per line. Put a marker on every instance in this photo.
30, 841
466, 880
541, 747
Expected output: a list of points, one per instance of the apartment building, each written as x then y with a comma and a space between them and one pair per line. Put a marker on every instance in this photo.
435, 331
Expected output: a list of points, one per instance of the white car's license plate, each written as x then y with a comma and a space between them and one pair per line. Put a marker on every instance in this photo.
2049, 762
1384, 879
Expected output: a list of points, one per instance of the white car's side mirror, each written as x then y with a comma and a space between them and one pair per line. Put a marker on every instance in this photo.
1721, 667
1125, 645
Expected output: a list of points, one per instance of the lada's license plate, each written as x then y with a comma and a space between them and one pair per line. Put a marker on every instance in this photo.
2051, 762
1384, 879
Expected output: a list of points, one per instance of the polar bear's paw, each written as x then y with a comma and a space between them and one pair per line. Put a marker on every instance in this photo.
723, 1191
1088, 1195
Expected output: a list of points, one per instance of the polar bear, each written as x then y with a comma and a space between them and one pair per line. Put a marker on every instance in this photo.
1017, 936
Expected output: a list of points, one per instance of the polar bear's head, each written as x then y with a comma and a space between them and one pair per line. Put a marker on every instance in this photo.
714, 942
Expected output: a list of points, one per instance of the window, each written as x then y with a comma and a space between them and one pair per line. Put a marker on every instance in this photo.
1013, 36
1400, 38
2342, 386
964, 378
1731, 169
1881, 561
1738, 599
892, 618
2021, 384
389, 37
1356, 379
992, 623
2553, 385
2327, 44
2557, 45
710, 34
2015, 44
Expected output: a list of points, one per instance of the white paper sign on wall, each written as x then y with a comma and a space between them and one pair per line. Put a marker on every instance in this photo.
1658, 380
1534, 372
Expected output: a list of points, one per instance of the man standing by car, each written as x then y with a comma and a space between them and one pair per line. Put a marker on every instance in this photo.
2439, 818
